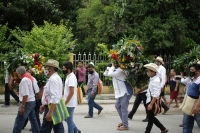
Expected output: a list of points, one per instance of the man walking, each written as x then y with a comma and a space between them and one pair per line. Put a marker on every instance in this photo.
80, 74
52, 95
9, 90
162, 75
70, 95
27, 89
93, 79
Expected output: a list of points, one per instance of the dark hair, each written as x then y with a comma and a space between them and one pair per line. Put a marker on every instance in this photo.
90, 66
80, 61
55, 69
109, 65
68, 65
195, 65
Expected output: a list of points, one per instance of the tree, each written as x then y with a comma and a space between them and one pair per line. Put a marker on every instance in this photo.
50, 40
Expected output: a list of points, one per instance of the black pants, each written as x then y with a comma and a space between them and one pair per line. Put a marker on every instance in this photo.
7, 94
139, 98
153, 120
79, 83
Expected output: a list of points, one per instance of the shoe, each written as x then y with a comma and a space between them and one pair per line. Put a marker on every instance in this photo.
145, 120
79, 131
165, 131
129, 117
30, 130
181, 125
122, 128
88, 116
5, 106
99, 111
165, 111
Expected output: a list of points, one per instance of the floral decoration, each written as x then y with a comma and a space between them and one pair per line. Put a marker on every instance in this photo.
128, 55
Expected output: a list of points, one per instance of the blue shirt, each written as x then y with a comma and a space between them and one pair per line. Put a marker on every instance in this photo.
194, 88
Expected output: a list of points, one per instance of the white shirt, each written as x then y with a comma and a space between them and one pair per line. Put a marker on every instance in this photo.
153, 88
26, 87
52, 90
6, 77
162, 75
185, 81
71, 81
118, 78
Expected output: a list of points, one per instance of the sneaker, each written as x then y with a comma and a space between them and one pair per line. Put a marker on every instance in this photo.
88, 116
165, 111
4, 106
99, 111
145, 120
79, 131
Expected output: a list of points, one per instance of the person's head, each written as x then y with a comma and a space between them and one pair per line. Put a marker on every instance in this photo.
152, 69
172, 72
80, 64
21, 70
159, 61
90, 68
51, 66
67, 67
194, 70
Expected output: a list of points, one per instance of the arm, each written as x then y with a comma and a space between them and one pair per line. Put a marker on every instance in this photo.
113, 73
196, 110
36, 88
70, 95
95, 83
106, 71
163, 76
22, 106
82, 71
177, 84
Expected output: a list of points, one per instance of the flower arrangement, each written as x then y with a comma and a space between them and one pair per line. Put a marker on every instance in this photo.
128, 55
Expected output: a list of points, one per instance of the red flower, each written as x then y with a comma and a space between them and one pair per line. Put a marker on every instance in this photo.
114, 56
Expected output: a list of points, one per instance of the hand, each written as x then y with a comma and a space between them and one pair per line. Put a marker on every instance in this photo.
149, 107
42, 108
86, 92
91, 95
182, 74
49, 116
21, 111
196, 110
162, 89
78, 68
175, 90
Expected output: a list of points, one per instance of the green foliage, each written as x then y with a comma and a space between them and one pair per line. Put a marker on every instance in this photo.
102, 49
183, 61
50, 40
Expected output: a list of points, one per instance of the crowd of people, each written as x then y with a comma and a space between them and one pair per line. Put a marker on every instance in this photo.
152, 95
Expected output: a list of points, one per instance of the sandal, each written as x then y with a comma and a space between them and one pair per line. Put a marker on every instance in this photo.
122, 128
120, 124
175, 106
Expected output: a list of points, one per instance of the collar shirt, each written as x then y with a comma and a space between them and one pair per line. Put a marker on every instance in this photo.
118, 78
153, 88
162, 75
26, 87
71, 82
93, 80
52, 90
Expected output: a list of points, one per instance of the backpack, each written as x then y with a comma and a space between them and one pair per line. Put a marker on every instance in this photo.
99, 87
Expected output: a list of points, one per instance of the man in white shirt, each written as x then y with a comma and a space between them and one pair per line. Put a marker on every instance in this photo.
70, 95
162, 75
153, 93
27, 89
52, 95
121, 94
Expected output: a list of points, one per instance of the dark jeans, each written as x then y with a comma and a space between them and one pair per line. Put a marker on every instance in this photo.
83, 90
92, 104
138, 99
48, 125
9, 92
37, 112
153, 120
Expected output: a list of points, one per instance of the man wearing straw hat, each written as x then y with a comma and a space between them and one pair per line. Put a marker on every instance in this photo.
153, 93
162, 75
52, 95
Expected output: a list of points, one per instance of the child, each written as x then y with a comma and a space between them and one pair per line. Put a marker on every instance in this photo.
174, 88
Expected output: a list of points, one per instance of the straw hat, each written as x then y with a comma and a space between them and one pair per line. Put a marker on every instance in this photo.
160, 59
152, 66
52, 63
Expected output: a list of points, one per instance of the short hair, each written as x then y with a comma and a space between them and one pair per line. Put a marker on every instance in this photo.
55, 69
109, 65
195, 65
90, 66
21, 70
80, 61
68, 65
